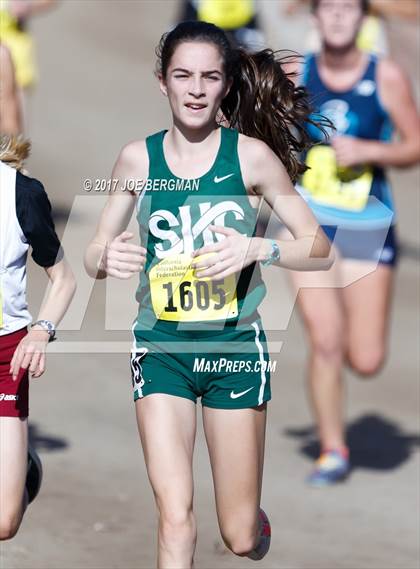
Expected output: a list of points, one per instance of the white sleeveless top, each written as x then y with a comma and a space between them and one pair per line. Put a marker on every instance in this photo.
25, 220
13, 253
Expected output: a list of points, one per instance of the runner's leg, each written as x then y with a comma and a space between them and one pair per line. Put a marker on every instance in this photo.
367, 302
235, 439
13, 468
323, 314
167, 427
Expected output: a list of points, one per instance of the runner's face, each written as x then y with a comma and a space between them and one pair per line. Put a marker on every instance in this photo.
195, 83
339, 22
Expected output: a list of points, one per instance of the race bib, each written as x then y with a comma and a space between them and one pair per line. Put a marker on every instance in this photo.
331, 185
178, 295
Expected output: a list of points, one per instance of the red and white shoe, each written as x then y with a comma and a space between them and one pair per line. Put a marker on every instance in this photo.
263, 546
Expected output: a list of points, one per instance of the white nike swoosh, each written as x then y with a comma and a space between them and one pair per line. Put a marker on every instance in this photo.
234, 395
217, 179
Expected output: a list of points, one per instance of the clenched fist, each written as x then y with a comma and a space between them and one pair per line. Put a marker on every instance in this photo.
122, 259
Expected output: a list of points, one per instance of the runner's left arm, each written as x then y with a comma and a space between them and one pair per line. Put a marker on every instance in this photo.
34, 215
397, 98
30, 353
266, 175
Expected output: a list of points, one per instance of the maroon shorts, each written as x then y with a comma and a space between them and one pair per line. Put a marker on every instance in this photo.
13, 394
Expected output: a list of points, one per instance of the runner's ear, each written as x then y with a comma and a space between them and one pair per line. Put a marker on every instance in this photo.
162, 84
228, 87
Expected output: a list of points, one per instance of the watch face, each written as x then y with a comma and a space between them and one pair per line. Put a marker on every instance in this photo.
47, 325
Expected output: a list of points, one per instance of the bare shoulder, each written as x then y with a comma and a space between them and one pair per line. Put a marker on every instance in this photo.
133, 160
390, 73
252, 150
394, 84
133, 153
258, 163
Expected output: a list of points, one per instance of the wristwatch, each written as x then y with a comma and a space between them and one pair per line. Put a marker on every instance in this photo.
274, 254
48, 326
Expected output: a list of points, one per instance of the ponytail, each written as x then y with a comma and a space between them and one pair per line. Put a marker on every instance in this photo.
264, 103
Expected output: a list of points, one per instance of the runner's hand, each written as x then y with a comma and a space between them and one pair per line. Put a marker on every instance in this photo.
349, 151
122, 260
229, 256
30, 353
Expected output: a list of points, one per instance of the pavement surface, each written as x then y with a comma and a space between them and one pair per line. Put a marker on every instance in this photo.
97, 91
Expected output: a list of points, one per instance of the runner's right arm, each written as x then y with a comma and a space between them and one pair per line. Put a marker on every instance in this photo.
10, 122
109, 254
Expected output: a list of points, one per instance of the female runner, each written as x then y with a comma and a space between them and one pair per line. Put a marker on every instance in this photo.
25, 221
198, 332
346, 186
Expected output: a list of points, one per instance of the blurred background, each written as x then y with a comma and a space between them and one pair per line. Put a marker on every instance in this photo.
95, 92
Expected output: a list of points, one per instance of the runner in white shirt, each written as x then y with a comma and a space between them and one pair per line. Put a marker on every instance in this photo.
25, 221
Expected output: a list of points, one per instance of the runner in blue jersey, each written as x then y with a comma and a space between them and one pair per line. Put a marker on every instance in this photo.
200, 283
346, 310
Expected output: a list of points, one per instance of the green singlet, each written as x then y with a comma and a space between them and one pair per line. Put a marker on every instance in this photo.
196, 336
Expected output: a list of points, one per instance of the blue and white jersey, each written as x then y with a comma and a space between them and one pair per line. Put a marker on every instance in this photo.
357, 198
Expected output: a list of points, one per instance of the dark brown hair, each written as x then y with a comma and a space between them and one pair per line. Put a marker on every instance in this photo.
364, 4
263, 101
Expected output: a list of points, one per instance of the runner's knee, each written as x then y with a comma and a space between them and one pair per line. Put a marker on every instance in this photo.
9, 526
327, 343
367, 363
240, 536
177, 525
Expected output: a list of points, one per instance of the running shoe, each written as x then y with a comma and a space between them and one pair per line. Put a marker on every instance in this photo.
265, 538
33, 475
331, 467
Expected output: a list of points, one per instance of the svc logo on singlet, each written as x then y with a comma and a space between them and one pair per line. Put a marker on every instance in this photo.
175, 242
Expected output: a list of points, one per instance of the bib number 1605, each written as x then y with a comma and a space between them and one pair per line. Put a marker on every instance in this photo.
198, 295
